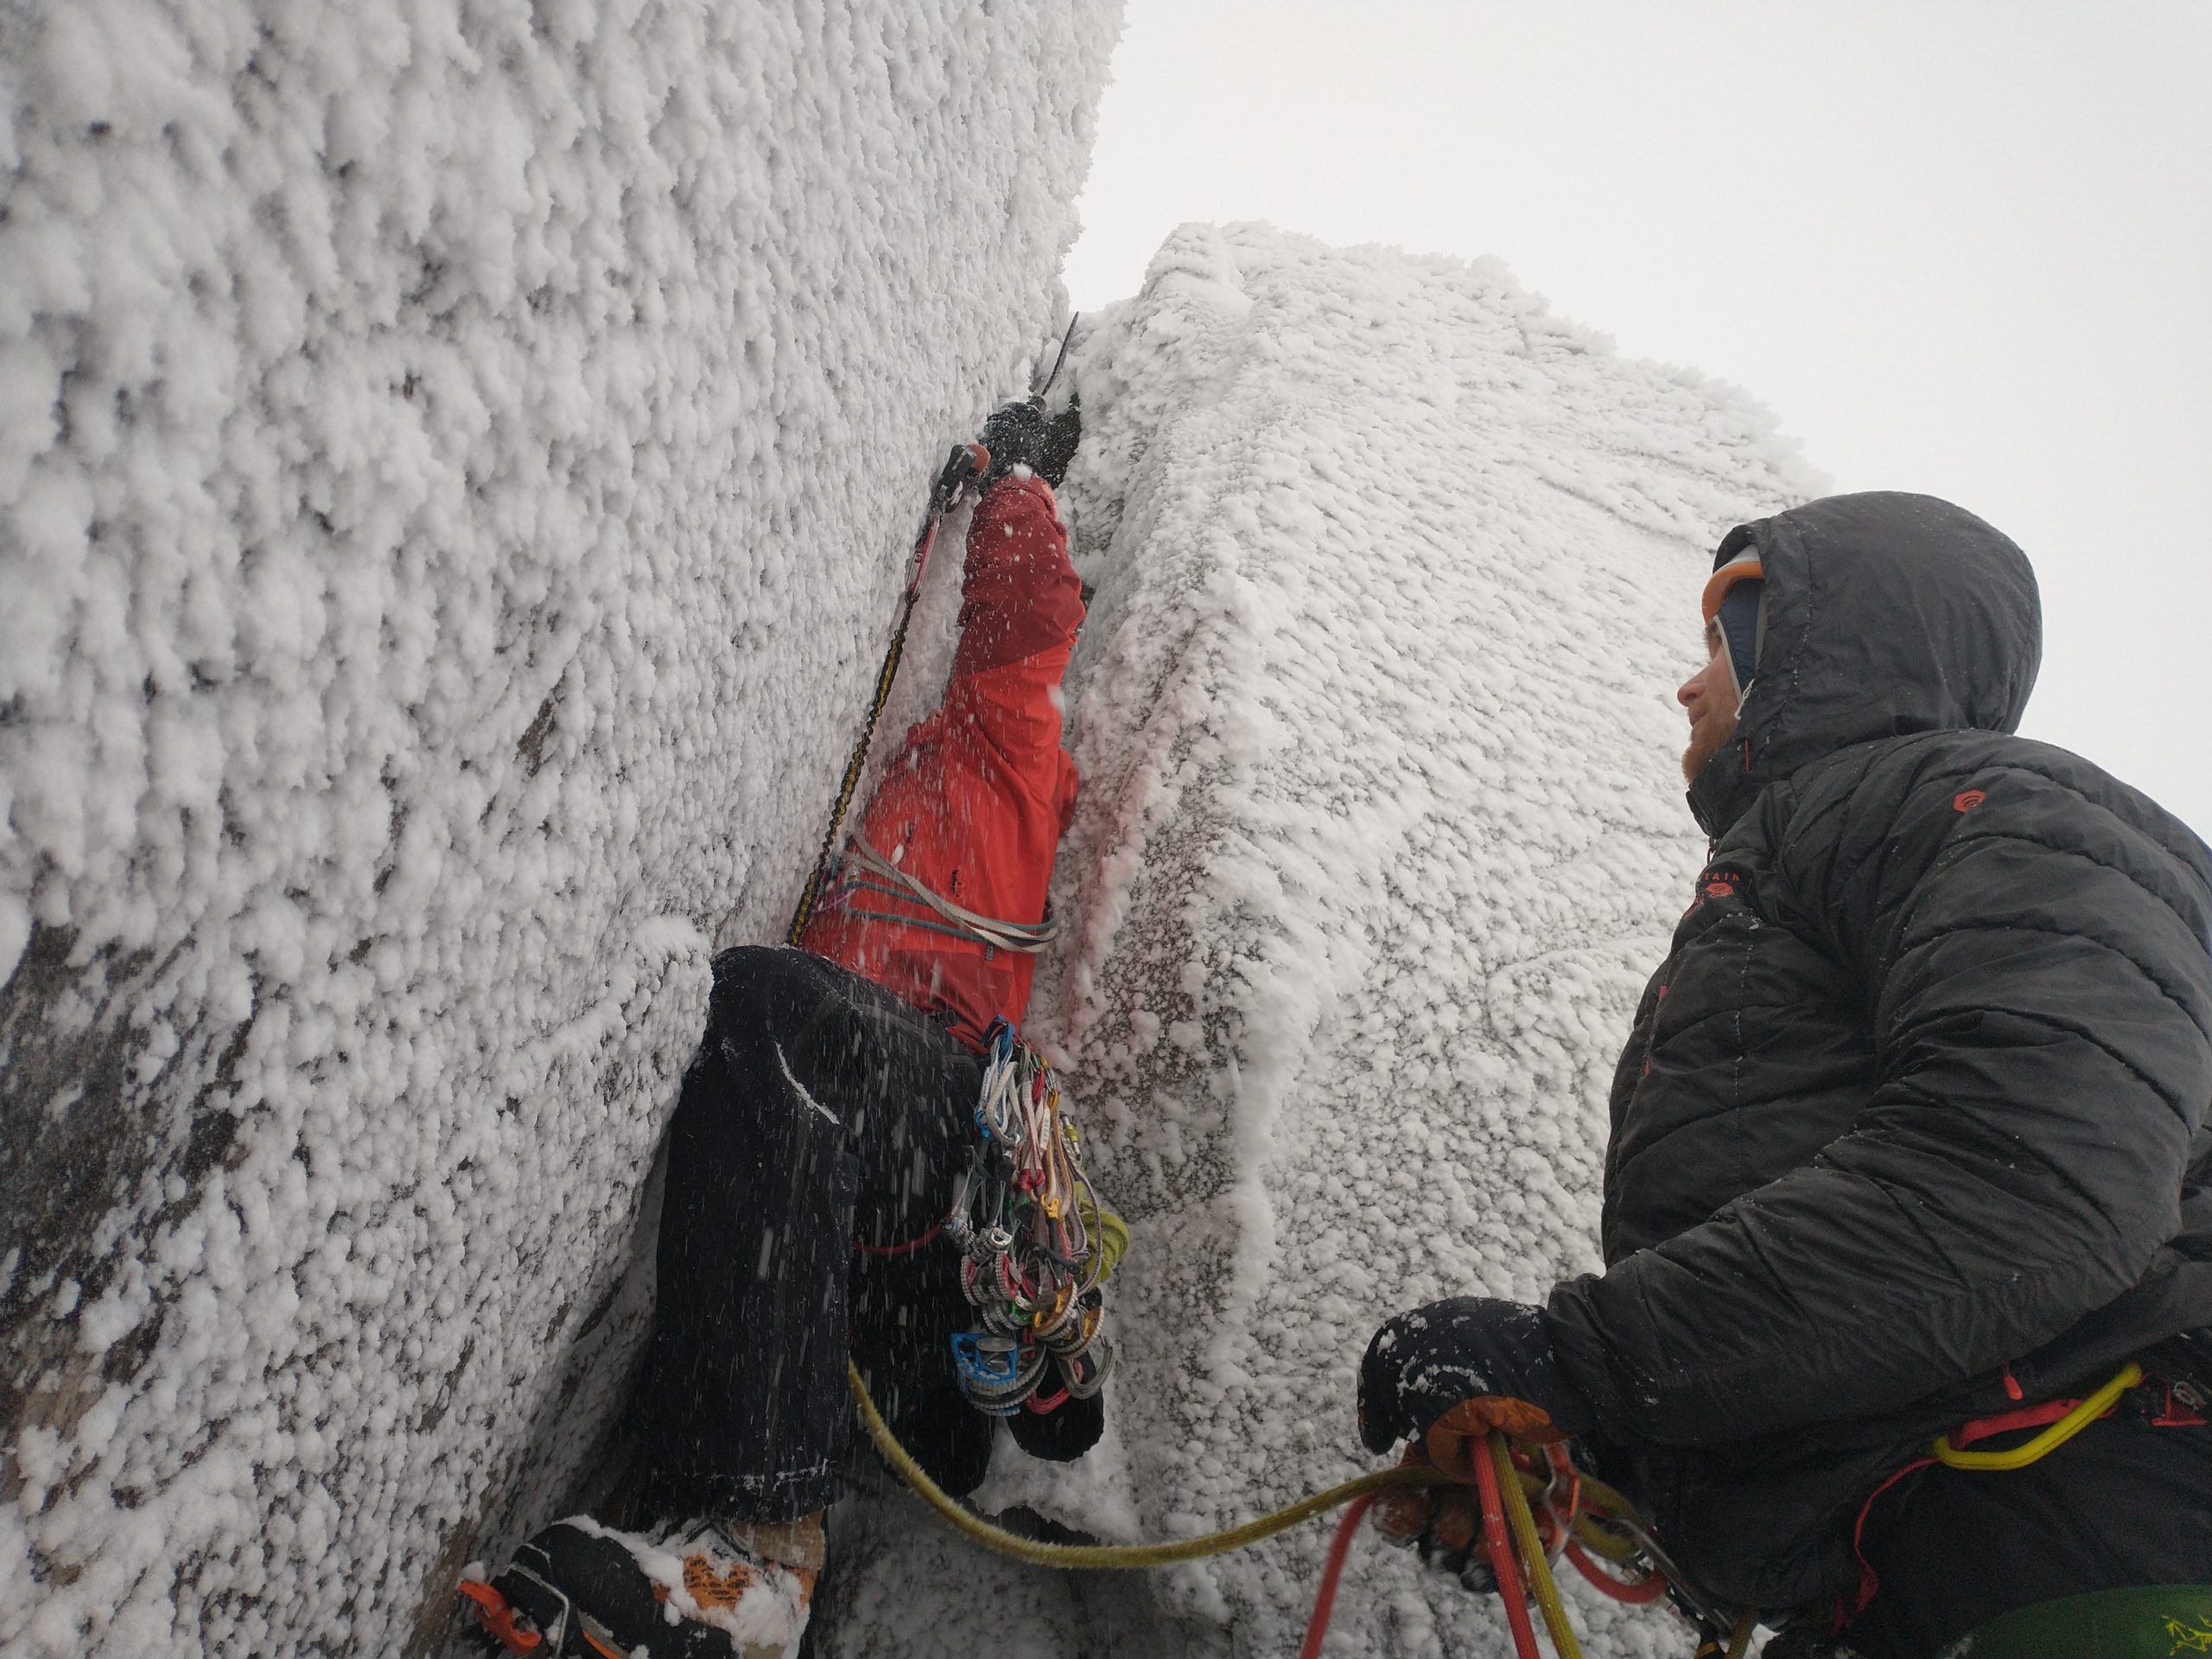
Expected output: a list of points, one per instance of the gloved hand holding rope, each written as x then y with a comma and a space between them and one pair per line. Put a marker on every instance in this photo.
1447, 1374
1460, 1451
1466, 1382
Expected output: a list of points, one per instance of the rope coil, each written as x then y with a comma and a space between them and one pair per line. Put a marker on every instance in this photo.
1026, 937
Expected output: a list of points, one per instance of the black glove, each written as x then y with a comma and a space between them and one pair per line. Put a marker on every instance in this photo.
1446, 1375
1423, 1362
1019, 434
1015, 436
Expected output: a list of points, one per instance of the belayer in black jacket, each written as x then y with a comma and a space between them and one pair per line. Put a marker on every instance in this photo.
1914, 1129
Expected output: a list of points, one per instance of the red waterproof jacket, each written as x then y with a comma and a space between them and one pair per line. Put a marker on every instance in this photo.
976, 798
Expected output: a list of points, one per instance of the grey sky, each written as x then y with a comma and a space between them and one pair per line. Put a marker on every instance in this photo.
1962, 248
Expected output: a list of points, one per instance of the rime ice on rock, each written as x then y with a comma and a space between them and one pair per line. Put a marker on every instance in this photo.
1381, 833
456, 468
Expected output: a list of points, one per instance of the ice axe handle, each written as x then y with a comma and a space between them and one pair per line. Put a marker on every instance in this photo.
1037, 397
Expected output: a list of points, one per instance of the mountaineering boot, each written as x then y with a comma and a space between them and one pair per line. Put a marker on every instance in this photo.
703, 1589
1063, 1435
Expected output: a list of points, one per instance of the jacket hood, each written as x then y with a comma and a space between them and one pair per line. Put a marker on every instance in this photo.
1886, 614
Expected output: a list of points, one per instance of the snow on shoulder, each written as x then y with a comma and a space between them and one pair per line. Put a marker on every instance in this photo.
1381, 833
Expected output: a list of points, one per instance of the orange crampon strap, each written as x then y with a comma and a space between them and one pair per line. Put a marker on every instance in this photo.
498, 1618
513, 1630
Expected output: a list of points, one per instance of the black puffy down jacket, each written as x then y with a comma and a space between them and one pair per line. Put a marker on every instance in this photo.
1921, 1093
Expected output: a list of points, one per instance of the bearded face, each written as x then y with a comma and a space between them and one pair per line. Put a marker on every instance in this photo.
1712, 699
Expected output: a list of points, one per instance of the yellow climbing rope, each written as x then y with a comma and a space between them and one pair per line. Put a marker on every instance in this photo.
1039, 1553
1534, 1562
1513, 1486
1404, 1478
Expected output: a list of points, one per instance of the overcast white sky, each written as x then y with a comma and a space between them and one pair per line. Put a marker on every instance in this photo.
1958, 248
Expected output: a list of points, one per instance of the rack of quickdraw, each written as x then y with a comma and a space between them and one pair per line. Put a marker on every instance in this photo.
1036, 1244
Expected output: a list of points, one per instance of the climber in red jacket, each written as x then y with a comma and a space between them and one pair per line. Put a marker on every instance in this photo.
956, 849
814, 1150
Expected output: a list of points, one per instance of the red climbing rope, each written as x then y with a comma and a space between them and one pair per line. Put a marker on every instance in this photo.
1325, 1602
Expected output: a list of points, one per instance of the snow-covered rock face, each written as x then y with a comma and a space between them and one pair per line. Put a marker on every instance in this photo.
1382, 832
456, 466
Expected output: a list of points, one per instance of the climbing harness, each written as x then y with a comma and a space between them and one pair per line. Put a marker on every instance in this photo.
2072, 1417
2170, 1401
1035, 1241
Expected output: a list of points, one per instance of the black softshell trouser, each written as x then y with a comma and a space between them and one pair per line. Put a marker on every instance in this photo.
820, 1111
